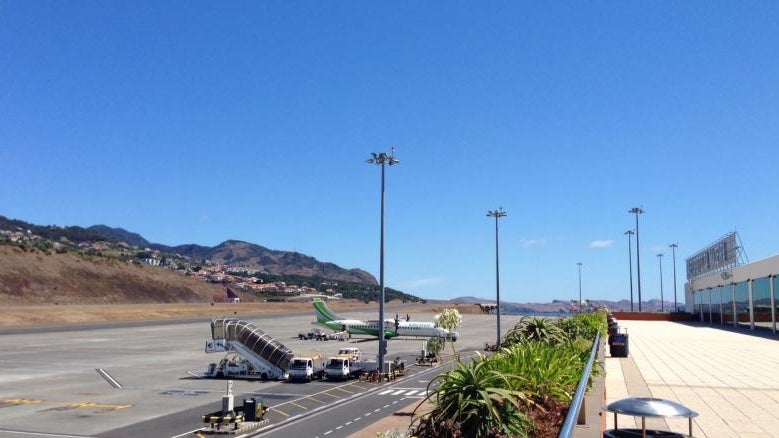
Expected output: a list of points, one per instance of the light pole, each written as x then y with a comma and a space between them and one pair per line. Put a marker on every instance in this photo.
662, 302
580, 286
497, 214
630, 267
637, 211
381, 159
673, 247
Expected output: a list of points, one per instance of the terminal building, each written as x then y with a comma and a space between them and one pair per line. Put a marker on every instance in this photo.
722, 291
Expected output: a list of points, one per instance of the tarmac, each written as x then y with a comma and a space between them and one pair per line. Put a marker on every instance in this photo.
729, 377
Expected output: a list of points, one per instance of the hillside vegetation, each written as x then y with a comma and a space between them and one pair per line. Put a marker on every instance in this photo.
36, 277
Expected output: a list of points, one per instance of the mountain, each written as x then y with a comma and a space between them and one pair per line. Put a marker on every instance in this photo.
232, 252
120, 235
268, 261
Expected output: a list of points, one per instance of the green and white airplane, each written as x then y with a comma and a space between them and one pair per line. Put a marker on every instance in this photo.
392, 327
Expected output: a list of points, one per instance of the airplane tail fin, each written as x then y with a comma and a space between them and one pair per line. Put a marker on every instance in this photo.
323, 313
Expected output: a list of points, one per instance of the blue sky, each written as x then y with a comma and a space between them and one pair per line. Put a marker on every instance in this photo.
198, 122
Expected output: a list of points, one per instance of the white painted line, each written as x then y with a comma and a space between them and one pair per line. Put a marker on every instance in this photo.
19, 432
328, 432
412, 392
398, 392
347, 423
338, 428
377, 410
386, 406
385, 392
186, 433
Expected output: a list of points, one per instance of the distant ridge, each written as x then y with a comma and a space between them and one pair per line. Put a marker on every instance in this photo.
564, 305
233, 252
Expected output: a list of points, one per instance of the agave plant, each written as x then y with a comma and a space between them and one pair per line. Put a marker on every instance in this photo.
535, 329
479, 400
542, 371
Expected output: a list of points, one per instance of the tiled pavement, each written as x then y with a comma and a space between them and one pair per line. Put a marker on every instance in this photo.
731, 378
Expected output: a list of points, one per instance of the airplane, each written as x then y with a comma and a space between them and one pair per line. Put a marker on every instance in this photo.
392, 327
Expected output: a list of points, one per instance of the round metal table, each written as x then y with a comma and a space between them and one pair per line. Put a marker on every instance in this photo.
650, 407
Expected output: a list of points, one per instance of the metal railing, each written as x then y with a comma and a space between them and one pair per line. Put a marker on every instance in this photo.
577, 403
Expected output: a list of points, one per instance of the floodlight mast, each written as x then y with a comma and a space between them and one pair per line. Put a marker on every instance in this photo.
381, 159
497, 214
673, 247
580, 286
637, 211
630, 266
662, 301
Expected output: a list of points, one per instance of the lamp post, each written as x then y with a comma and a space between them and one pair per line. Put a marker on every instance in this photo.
580, 286
662, 302
673, 247
630, 267
497, 214
381, 159
637, 211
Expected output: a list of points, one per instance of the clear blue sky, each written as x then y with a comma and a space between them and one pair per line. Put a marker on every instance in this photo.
200, 121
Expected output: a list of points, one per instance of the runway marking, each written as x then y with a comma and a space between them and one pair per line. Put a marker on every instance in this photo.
111, 381
300, 406
56, 435
343, 390
78, 405
21, 401
279, 411
64, 406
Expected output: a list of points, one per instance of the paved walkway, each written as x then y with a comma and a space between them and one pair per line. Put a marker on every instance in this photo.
731, 378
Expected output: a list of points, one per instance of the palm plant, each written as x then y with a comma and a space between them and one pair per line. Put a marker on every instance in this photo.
479, 400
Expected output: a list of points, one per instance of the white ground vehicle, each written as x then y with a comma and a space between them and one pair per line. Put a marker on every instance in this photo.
342, 368
352, 353
232, 365
307, 368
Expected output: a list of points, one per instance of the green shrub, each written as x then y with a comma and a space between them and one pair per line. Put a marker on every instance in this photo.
478, 399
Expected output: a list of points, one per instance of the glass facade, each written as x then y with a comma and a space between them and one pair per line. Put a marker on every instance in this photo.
751, 304
761, 303
742, 304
